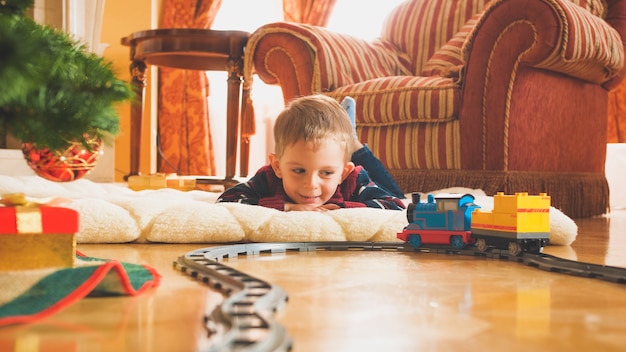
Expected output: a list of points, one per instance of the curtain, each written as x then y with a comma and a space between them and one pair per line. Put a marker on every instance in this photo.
617, 114
313, 12
184, 136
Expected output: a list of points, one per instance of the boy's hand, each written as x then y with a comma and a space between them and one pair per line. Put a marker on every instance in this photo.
309, 207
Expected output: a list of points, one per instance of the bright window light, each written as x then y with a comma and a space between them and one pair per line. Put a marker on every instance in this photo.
247, 15
355, 18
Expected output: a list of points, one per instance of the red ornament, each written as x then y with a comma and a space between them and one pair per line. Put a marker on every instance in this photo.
69, 164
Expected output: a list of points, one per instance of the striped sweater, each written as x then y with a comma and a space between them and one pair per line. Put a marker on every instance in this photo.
356, 191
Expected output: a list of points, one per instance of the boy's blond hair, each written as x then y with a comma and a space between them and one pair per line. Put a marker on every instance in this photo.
313, 118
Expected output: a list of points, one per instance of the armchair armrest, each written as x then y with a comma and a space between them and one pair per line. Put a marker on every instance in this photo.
555, 35
307, 59
533, 76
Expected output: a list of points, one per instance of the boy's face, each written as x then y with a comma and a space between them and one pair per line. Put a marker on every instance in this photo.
310, 171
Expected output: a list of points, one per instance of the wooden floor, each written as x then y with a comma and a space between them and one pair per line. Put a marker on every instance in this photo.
366, 301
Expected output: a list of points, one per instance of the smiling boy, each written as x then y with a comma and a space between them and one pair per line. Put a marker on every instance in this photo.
311, 168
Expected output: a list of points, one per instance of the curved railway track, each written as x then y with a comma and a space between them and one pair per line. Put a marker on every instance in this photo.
244, 321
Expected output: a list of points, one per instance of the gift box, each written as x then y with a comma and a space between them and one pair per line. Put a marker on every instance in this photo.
37, 236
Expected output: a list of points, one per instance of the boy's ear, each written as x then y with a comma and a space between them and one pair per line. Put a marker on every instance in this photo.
274, 162
347, 170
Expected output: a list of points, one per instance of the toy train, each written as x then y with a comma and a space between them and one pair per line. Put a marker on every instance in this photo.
518, 223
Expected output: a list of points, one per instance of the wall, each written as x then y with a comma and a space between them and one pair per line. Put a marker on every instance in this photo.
121, 18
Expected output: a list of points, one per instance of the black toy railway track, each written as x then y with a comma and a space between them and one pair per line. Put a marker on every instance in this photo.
244, 321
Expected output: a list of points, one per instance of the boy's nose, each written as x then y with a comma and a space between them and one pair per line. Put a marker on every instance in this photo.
312, 181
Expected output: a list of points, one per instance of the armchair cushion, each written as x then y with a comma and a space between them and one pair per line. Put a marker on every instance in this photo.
449, 59
400, 112
398, 100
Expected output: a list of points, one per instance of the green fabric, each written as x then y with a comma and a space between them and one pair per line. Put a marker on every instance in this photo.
48, 291
138, 275
89, 277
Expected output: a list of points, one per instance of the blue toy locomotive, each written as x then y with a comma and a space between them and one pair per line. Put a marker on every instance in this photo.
519, 223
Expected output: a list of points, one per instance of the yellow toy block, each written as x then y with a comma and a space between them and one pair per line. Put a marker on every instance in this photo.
516, 213
158, 181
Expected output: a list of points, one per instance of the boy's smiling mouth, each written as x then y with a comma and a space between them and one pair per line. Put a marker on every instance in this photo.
309, 199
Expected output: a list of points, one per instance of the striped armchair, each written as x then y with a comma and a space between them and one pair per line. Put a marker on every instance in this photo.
501, 95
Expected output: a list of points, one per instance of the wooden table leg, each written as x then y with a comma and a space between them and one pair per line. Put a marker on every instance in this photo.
234, 139
247, 117
233, 116
244, 155
138, 83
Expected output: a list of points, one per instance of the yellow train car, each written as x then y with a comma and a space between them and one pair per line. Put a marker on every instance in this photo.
518, 222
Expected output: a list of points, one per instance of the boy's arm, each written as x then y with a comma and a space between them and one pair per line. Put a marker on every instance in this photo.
241, 193
259, 190
364, 192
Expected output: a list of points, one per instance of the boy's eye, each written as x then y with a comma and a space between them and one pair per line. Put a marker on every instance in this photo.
297, 171
327, 173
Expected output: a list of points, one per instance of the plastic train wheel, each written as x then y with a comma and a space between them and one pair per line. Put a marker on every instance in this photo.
457, 242
535, 247
481, 244
515, 248
415, 240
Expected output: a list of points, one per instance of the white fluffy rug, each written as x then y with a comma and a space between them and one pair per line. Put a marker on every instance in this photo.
112, 213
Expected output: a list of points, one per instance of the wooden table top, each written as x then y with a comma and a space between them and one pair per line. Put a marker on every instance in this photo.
366, 301
187, 48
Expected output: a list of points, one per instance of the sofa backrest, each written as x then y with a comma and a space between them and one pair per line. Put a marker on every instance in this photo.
430, 33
